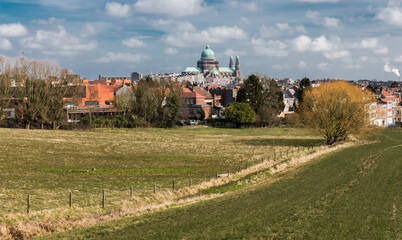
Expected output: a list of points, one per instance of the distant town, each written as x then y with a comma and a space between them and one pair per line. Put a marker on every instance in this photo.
210, 88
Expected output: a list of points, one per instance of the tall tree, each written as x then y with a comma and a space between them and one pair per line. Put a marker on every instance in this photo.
336, 109
240, 113
264, 96
305, 84
394, 85
252, 92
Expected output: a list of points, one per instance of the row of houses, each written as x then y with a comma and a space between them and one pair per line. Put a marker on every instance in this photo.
387, 111
98, 97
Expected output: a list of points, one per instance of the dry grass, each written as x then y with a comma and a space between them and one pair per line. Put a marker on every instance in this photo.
49, 164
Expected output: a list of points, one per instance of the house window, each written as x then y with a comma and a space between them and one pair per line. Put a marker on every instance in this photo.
108, 102
91, 103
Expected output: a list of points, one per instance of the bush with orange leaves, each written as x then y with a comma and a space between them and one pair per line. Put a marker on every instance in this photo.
336, 109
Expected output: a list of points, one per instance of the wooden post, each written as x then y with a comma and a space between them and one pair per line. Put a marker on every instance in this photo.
103, 198
131, 192
154, 187
28, 204
173, 186
190, 182
71, 200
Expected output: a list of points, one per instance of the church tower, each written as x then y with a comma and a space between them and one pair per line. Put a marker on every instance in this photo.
231, 65
237, 67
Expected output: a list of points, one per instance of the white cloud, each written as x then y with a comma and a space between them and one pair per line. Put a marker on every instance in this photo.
133, 43
302, 64
173, 8
337, 54
269, 48
280, 67
211, 35
58, 42
331, 22
49, 21
323, 66
231, 52
314, 15
280, 29
382, 50
252, 7
391, 16
116, 9
13, 30
283, 26
328, 22
398, 59
171, 51
370, 43
173, 26
304, 43
5, 44
122, 57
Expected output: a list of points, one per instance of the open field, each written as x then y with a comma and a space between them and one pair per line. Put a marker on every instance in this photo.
352, 193
47, 165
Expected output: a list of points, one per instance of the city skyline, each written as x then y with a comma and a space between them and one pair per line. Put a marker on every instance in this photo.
293, 38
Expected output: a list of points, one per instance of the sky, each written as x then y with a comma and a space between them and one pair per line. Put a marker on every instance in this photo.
346, 39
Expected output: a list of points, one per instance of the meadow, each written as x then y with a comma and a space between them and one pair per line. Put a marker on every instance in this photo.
351, 193
48, 165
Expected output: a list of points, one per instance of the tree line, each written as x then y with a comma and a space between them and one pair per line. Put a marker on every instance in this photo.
34, 89
151, 102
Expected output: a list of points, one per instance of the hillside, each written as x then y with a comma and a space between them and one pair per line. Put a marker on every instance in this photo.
352, 193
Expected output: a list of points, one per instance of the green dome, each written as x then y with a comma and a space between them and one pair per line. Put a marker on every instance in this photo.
207, 53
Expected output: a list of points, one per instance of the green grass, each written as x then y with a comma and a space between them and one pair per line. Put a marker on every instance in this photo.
352, 193
47, 165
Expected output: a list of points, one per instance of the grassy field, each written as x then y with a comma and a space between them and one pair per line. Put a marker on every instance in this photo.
47, 165
352, 193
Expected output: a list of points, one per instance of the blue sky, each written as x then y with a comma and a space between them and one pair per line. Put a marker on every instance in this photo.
350, 39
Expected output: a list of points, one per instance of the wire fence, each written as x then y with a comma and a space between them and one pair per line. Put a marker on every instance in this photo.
114, 196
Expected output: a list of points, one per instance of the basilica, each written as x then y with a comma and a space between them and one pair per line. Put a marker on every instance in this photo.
209, 67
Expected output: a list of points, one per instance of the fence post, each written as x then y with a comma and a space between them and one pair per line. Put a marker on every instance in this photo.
190, 182
131, 191
173, 186
103, 198
71, 200
28, 204
154, 187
